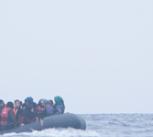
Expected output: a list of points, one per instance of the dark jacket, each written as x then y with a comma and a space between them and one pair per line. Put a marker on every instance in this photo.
11, 119
19, 117
29, 113
41, 111
59, 108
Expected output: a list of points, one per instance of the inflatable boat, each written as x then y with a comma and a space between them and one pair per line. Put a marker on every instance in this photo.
66, 120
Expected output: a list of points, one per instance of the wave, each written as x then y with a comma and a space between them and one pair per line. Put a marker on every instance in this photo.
56, 133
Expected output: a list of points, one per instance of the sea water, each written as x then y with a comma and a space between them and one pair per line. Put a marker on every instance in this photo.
102, 125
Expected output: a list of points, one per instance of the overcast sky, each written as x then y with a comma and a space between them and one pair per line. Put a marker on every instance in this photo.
98, 55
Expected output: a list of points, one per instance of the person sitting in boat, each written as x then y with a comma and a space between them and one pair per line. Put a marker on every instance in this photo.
41, 109
7, 117
29, 110
50, 110
19, 118
59, 105
11, 115
1, 105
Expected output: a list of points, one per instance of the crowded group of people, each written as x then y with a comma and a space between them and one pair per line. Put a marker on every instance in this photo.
18, 113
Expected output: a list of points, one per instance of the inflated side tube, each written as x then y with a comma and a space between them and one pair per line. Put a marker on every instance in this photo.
66, 120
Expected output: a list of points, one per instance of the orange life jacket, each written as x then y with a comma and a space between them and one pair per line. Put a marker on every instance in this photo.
4, 116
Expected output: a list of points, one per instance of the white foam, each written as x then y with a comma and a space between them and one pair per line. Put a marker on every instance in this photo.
56, 133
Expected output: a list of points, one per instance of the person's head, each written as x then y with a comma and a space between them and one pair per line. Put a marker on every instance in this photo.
21, 103
10, 105
29, 101
58, 100
17, 103
1, 104
51, 102
42, 102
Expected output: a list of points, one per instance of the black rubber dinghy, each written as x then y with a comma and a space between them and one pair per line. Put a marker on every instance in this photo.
66, 120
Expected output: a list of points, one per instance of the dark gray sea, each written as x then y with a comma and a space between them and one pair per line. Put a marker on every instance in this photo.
102, 125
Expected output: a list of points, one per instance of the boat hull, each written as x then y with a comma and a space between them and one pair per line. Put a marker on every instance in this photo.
66, 120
